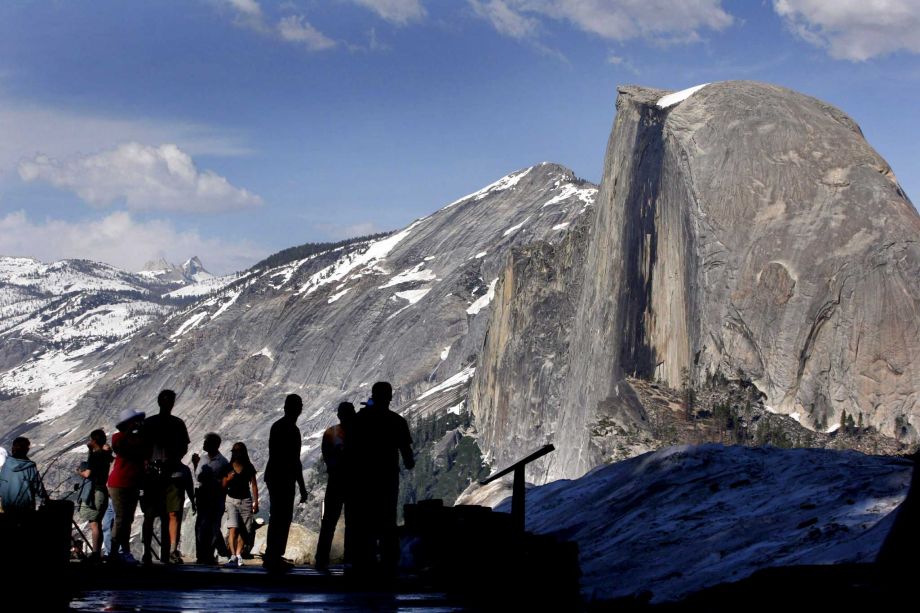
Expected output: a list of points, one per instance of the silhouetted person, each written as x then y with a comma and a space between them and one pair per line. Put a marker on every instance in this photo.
211, 501
20, 483
125, 480
283, 472
899, 551
379, 436
334, 450
94, 494
164, 496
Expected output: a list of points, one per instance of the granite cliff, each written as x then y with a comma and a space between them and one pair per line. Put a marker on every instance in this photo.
742, 230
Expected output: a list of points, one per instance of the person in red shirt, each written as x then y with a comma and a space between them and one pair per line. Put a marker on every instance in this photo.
125, 480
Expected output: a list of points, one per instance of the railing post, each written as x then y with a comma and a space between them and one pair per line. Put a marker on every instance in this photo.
518, 489
517, 498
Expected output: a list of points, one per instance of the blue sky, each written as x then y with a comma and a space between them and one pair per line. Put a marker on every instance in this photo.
230, 129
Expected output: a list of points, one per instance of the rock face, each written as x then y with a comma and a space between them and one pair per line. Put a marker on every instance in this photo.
744, 230
411, 308
683, 518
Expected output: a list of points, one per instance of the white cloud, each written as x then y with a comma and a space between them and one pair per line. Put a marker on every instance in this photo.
293, 29
296, 29
247, 7
622, 62
399, 12
619, 20
30, 130
122, 241
855, 30
146, 178
505, 20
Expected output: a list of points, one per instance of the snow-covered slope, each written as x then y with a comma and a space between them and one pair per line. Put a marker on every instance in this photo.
684, 518
58, 321
411, 307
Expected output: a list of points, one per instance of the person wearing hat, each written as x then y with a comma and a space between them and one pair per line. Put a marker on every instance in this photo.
125, 480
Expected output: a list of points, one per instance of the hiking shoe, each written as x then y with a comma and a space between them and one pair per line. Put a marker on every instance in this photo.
175, 558
239, 562
125, 557
232, 562
146, 559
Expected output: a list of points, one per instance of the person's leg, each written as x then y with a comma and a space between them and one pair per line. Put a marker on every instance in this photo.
218, 537
332, 511
388, 534
204, 545
108, 523
95, 529
125, 501
175, 530
244, 517
281, 513
232, 537
150, 516
174, 502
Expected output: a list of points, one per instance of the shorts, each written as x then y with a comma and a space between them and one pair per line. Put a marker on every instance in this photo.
159, 499
239, 513
175, 498
101, 502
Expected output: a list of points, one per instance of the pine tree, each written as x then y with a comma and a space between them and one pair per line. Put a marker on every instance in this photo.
843, 422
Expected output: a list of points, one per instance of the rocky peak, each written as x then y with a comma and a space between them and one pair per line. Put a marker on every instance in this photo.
742, 230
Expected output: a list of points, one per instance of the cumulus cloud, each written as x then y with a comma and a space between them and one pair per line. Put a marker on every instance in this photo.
122, 241
619, 20
296, 29
31, 129
399, 12
855, 30
144, 177
293, 29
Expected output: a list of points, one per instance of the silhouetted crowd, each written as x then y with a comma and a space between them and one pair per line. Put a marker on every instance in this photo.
144, 466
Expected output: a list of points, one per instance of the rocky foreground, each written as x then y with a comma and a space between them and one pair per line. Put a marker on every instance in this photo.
672, 522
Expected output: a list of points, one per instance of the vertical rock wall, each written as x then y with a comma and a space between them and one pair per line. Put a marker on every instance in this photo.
747, 230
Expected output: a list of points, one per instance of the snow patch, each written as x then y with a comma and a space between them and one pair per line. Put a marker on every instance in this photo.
445, 353
335, 297
190, 323
514, 229
367, 259
502, 184
678, 97
458, 379
569, 190
266, 352
561, 226
417, 273
484, 300
413, 295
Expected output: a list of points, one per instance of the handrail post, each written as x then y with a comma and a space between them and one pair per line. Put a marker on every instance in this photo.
518, 488
517, 498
